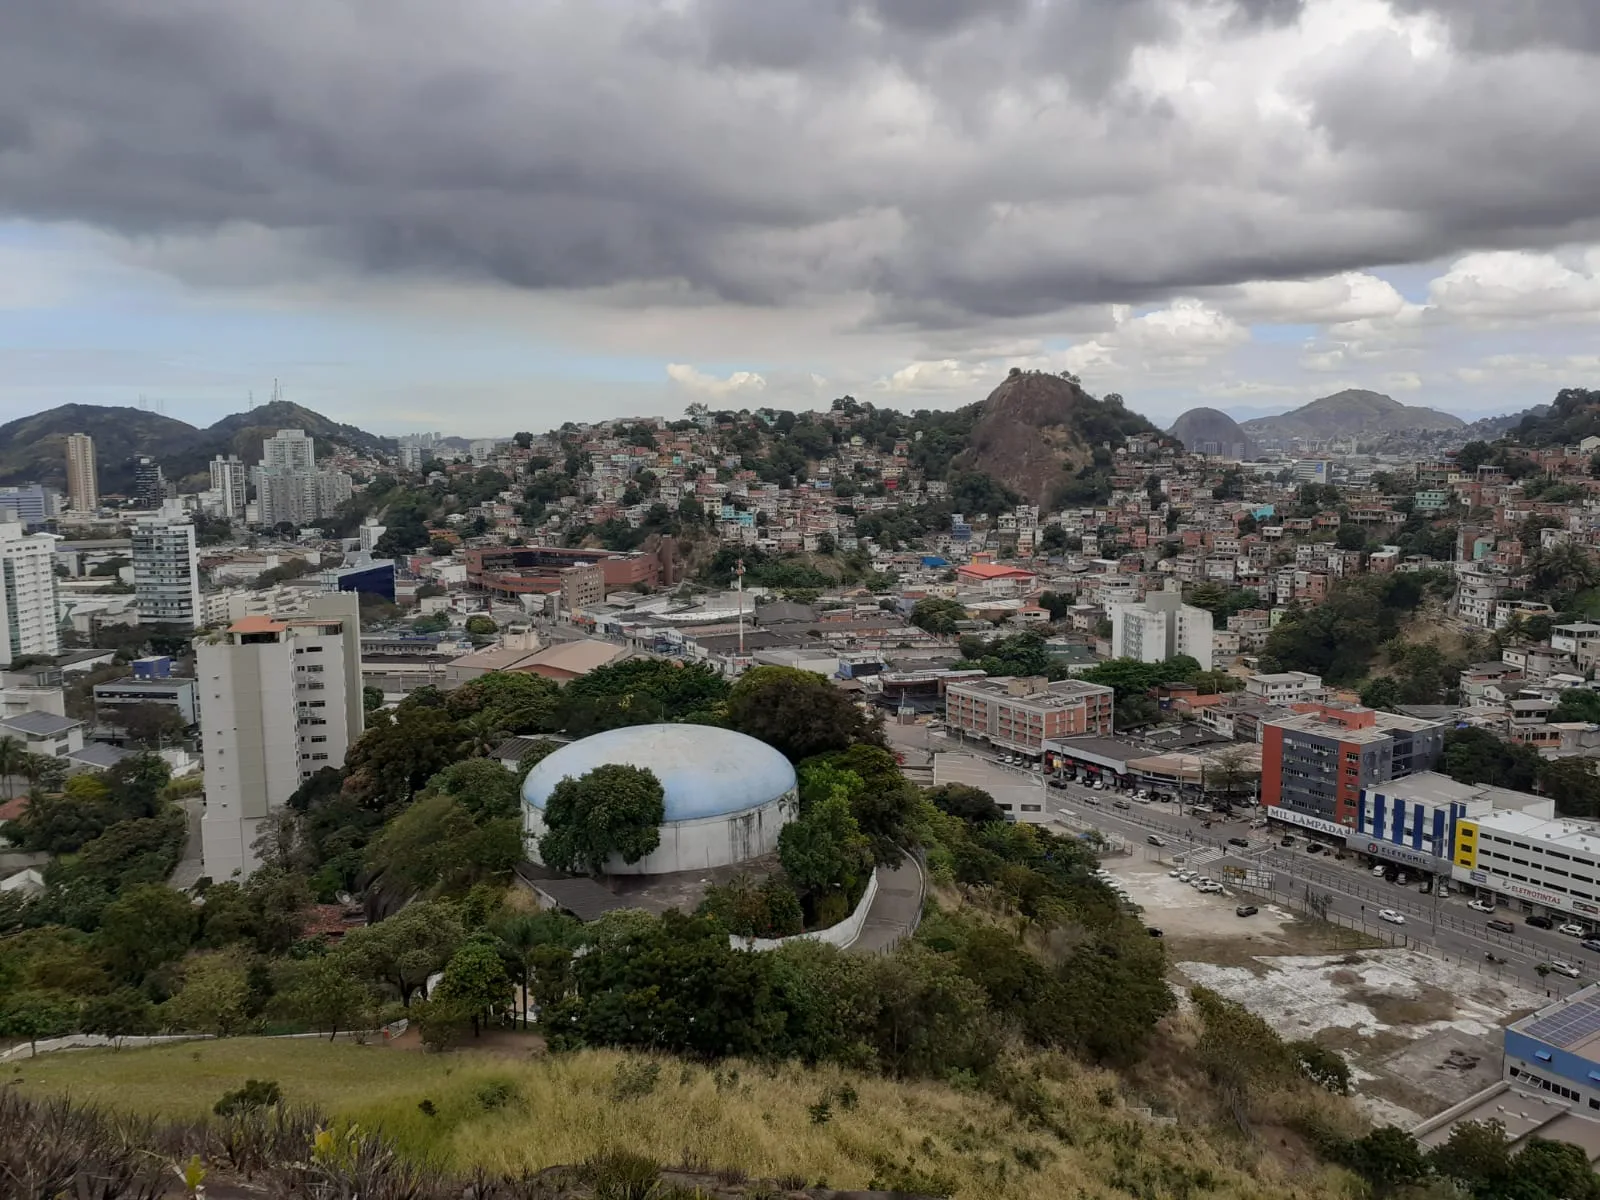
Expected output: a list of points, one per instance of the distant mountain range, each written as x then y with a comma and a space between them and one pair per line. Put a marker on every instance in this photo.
33, 449
1211, 431
1351, 413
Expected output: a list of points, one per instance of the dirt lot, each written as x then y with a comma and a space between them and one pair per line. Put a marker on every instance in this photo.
1419, 1033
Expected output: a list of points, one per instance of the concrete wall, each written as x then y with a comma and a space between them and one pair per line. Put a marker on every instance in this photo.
700, 845
842, 935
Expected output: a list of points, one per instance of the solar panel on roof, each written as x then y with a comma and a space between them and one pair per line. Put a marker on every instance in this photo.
1570, 1025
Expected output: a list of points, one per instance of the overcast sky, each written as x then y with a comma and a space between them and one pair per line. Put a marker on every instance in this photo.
486, 216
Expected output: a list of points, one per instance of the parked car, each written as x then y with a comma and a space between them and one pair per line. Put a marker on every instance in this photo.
1154, 840
1502, 926
1286, 840
1238, 841
1210, 885
1539, 922
1481, 905
1153, 931
1570, 970
1186, 877
1246, 910
1389, 915
1200, 808
1175, 872
1058, 783
1572, 929
1591, 944
1120, 803
1313, 847
1402, 879
1379, 869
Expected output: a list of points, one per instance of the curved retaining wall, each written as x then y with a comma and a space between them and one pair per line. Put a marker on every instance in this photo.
841, 935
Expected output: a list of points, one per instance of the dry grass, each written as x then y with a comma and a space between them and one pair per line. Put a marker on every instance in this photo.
916, 1136
1430, 1004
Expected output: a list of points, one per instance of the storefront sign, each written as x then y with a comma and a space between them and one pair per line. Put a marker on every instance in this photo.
1398, 854
1308, 822
1511, 888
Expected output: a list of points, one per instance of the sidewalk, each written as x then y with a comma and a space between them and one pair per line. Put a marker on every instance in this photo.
895, 911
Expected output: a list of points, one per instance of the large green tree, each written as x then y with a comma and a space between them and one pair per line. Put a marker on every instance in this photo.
144, 928
475, 981
612, 810
826, 857
437, 847
402, 951
798, 713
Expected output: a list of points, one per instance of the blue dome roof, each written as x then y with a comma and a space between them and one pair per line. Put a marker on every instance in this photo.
704, 771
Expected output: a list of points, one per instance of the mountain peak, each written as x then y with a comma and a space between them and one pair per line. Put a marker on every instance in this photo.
1354, 412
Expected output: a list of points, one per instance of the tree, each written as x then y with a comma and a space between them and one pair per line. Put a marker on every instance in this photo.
404, 950
150, 725
475, 980
1387, 1158
1472, 456
215, 995
371, 698
481, 626
122, 1013
613, 809
937, 616
973, 805
144, 928
399, 753
326, 993
883, 802
1573, 784
798, 713
13, 752
1381, 693
826, 857
482, 786
437, 846
31, 1015
524, 938
1477, 756
137, 784
517, 701
1577, 704
1477, 1153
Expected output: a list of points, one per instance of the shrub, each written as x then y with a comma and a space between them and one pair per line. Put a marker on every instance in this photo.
256, 1093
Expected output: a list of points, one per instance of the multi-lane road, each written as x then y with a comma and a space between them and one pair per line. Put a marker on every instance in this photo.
1354, 896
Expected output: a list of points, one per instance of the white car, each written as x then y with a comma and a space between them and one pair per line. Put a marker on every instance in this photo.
1186, 877
1389, 915
1210, 885
1378, 870
1175, 872
1565, 968
1572, 930
1483, 906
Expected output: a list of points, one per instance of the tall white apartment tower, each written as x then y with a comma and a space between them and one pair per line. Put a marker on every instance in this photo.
28, 614
290, 449
166, 572
83, 480
229, 477
281, 699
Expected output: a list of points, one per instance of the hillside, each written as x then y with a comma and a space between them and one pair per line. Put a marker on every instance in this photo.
1210, 431
33, 449
1351, 413
1573, 416
1068, 1131
1035, 429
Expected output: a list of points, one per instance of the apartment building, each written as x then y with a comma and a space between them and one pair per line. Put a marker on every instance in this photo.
280, 699
1018, 713
1160, 627
27, 593
1315, 764
83, 478
230, 480
1285, 687
166, 572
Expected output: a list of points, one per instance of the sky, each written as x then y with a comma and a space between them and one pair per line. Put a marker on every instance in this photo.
482, 217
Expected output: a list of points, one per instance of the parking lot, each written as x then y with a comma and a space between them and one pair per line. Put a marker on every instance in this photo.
1020, 789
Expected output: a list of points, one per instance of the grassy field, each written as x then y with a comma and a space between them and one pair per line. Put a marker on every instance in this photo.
511, 1110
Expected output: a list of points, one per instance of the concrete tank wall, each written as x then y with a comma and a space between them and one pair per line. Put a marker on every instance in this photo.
720, 841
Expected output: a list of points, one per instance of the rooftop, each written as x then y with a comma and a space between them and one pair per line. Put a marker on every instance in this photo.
257, 625
1060, 694
1566, 832
40, 724
1572, 1024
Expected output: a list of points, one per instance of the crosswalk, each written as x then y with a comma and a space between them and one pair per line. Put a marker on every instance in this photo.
1202, 855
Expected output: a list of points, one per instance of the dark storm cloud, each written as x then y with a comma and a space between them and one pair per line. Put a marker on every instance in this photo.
958, 160
1500, 26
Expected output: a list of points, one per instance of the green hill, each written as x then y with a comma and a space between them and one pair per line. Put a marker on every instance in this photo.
33, 448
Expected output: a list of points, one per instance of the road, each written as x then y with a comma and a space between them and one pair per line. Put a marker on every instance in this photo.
1355, 895
1445, 924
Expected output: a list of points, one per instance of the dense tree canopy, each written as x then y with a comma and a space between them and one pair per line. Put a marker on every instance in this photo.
611, 810
798, 713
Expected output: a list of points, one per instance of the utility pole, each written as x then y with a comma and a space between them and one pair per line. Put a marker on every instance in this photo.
738, 574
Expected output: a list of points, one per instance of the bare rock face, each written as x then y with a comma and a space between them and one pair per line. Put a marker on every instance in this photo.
1027, 433
1210, 431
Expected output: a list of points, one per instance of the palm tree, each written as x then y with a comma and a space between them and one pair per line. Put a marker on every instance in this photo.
13, 760
1565, 566
481, 733
524, 939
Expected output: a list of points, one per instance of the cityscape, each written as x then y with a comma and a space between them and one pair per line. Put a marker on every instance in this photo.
888, 600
